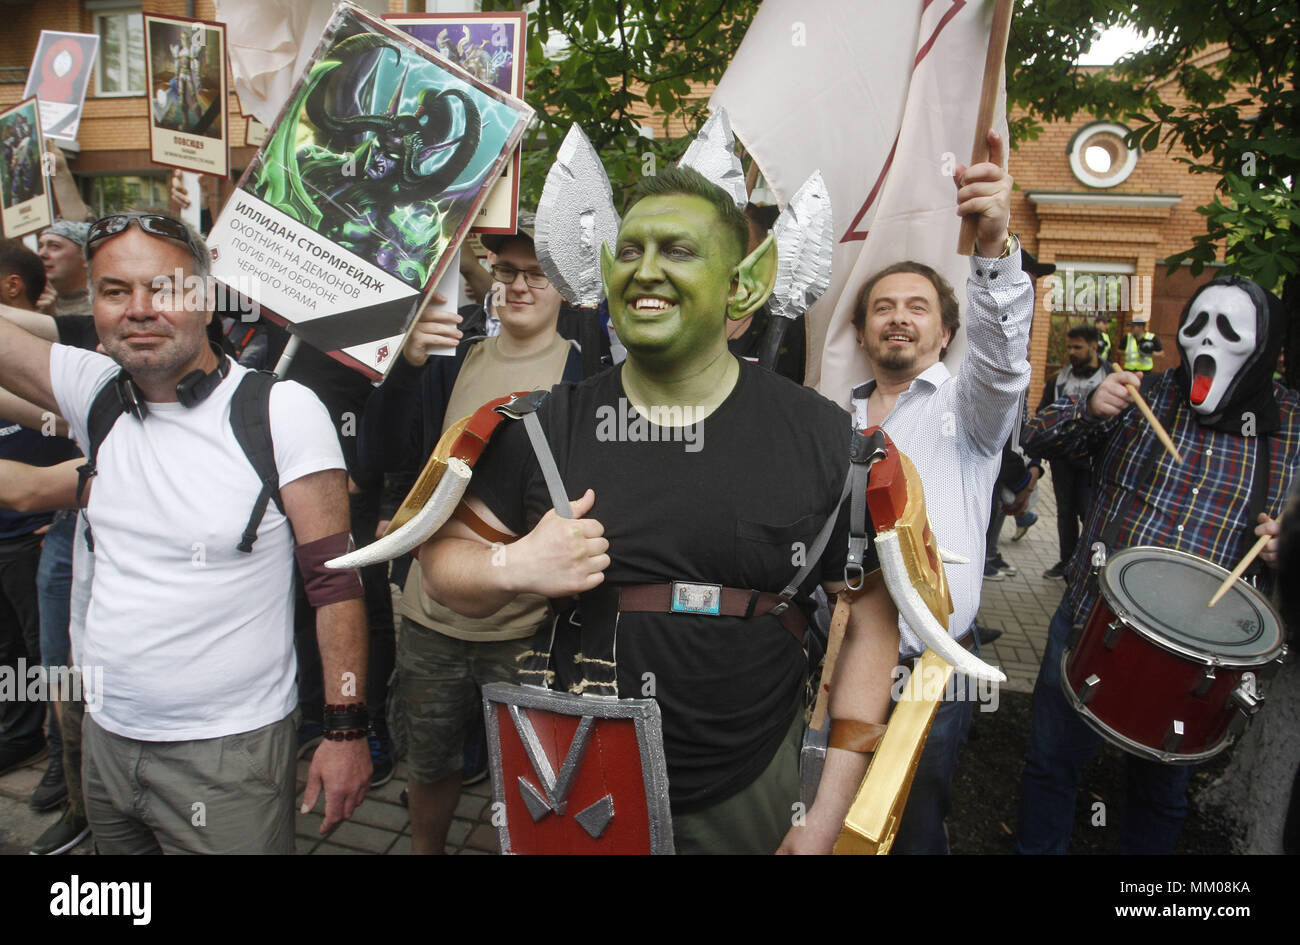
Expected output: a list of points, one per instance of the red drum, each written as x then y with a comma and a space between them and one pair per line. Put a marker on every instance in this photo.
1158, 672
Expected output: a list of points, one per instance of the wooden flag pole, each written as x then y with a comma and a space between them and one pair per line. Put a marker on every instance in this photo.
993, 62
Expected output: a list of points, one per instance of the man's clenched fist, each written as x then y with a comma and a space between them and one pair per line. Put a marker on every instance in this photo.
560, 556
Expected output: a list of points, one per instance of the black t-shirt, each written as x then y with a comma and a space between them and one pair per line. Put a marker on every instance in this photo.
740, 507
77, 331
31, 447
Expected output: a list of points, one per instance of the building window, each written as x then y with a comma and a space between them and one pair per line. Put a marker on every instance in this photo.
105, 195
1099, 157
120, 69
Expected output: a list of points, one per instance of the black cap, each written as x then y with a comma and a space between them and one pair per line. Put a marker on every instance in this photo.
527, 223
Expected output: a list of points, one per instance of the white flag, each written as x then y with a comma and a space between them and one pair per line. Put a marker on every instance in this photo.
883, 99
270, 41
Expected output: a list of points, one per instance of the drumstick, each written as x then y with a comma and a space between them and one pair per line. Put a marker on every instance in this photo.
1240, 569
1161, 433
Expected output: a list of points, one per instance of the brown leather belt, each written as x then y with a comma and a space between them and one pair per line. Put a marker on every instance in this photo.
710, 600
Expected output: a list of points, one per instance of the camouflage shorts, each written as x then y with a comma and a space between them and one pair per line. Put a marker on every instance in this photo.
435, 694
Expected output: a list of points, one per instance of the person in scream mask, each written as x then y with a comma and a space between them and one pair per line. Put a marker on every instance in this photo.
1239, 435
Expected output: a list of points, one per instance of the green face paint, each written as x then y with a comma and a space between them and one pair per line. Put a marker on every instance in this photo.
669, 280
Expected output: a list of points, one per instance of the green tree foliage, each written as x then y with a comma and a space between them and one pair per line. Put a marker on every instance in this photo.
610, 59
1240, 123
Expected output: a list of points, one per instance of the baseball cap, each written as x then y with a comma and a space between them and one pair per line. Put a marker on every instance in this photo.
525, 227
69, 230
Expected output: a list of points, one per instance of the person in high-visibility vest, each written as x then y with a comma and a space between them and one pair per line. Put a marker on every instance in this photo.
1139, 346
1103, 338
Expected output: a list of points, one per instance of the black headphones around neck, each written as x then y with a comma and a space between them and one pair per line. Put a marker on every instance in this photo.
190, 390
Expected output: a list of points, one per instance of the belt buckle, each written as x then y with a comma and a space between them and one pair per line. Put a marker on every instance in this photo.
703, 599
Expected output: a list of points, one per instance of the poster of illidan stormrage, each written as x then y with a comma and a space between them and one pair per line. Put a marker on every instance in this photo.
368, 182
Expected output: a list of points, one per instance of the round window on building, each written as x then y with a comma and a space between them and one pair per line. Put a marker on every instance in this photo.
1099, 157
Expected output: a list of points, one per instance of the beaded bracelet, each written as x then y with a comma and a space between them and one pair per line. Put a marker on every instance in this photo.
339, 735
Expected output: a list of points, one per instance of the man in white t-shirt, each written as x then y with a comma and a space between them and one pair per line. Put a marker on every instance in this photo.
189, 744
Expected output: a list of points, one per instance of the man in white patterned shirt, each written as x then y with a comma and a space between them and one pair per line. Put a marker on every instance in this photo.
953, 428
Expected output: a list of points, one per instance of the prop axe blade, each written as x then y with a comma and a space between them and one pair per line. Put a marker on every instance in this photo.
575, 217
804, 241
713, 154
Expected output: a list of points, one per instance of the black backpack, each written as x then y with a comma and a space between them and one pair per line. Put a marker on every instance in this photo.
250, 419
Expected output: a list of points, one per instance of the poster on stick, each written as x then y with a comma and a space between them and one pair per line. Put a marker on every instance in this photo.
254, 133
186, 64
490, 47
24, 188
371, 176
58, 78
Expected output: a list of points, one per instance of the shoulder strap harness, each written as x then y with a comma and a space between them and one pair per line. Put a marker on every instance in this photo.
250, 420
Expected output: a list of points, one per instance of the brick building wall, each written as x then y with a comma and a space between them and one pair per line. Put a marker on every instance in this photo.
113, 138
1127, 229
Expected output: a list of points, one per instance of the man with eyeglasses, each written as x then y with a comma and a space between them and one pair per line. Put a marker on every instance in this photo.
189, 744
443, 658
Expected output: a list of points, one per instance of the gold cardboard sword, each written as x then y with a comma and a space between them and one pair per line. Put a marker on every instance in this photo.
912, 566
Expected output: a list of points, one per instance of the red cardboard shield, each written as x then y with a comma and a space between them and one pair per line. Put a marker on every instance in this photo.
573, 774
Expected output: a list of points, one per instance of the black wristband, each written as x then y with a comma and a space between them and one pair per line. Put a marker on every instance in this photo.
350, 717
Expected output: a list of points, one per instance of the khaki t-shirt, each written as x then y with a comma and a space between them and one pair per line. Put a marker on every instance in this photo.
485, 375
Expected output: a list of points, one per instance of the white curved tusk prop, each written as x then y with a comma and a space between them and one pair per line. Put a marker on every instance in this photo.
446, 496
951, 557
918, 616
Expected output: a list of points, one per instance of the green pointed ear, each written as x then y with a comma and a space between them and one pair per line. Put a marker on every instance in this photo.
606, 264
754, 278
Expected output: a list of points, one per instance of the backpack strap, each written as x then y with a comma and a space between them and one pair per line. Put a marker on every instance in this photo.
865, 450
250, 419
104, 411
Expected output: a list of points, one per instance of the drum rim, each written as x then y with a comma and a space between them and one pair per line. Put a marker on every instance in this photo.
1186, 650
1124, 743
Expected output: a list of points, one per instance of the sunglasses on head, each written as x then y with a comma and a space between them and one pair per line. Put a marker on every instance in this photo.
151, 223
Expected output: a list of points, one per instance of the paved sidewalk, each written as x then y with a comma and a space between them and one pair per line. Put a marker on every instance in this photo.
380, 825
1021, 606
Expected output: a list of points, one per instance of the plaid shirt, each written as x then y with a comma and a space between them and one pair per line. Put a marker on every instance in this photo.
1198, 507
